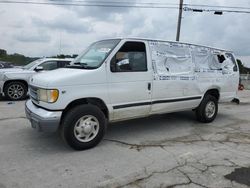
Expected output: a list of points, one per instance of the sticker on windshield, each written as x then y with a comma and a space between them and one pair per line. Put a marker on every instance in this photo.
104, 50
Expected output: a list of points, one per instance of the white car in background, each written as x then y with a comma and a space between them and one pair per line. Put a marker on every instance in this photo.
14, 81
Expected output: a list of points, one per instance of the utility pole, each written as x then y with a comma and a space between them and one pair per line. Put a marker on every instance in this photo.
60, 43
179, 21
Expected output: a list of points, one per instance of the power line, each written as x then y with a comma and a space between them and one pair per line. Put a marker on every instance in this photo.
126, 4
157, 3
215, 10
89, 4
215, 6
123, 2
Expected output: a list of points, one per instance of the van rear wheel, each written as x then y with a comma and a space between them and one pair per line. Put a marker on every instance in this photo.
206, 112
83, 127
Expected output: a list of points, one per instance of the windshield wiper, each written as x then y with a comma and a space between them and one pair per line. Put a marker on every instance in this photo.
82, 66
78, 63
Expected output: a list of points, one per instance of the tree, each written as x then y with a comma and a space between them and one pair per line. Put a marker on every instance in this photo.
19, 59
3, 52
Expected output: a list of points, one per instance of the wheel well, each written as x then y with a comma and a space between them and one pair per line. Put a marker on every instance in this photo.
213, 92
94, 101
9, 81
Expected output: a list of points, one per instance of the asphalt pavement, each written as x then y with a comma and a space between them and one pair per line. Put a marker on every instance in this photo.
170, 150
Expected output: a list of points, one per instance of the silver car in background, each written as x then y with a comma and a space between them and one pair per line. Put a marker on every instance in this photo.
4, 65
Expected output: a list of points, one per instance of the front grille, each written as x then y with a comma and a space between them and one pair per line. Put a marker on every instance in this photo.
33, 93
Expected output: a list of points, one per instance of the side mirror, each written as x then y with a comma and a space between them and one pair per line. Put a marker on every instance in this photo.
235, 69
39, 68
113, 67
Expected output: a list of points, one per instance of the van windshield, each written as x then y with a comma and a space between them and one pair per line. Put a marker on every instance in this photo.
94, 55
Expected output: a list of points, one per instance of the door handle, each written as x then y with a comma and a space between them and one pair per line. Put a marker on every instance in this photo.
149, 86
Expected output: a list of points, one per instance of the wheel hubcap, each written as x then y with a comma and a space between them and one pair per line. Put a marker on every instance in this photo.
86, 128
210, 109
15, 91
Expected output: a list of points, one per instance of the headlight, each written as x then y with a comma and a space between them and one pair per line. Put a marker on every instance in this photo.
48, 95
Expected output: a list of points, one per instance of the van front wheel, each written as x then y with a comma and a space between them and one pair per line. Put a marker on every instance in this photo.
207, 110
83, 127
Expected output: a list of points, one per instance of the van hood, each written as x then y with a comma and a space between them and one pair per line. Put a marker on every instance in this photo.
68, 77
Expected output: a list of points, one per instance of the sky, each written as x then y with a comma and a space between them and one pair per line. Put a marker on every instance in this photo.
45, 30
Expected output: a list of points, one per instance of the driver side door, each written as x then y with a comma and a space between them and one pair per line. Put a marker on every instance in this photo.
129, 81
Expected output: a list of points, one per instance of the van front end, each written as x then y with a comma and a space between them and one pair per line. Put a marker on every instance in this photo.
42, 119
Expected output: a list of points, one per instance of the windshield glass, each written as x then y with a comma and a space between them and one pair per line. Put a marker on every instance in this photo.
30, 65
94, 56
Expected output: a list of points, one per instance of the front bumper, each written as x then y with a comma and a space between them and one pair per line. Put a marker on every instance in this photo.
41, 119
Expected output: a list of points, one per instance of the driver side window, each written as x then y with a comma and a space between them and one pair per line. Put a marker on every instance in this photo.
130, 58
49, 65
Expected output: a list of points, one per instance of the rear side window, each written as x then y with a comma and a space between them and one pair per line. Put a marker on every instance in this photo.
221, 58
171, 58
130, 58
63, 63
231, 57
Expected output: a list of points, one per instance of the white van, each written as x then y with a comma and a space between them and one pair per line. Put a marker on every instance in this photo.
120, 79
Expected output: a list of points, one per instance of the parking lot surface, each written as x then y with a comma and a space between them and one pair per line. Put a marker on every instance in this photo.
171, 150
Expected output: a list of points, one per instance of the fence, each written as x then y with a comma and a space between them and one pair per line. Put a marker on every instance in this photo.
245, 80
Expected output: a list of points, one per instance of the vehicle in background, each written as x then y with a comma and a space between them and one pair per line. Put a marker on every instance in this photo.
4, 65
121, 79
14, 81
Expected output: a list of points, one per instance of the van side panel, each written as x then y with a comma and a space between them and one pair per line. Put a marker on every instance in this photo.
219, 71
231, 76
175, 85
185, 72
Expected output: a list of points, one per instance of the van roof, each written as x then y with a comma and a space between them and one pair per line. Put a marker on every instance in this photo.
160, 40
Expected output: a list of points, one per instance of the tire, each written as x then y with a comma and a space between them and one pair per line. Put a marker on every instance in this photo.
15, 91
83, 127
207, 111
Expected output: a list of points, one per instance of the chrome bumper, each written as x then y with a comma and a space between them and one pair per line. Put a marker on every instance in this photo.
41, 119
